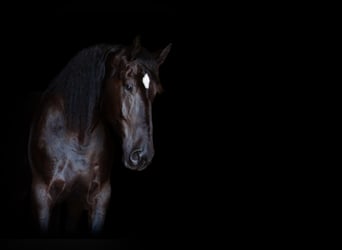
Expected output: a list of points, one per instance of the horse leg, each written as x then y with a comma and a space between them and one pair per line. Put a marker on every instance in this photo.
41, 201
99, 202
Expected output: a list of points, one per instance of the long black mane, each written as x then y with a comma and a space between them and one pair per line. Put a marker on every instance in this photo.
80, 85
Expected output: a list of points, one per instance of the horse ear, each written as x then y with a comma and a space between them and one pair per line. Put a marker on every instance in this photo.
162, 54
136, 47
136, 42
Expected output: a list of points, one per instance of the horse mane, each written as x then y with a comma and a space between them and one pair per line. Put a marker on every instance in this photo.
80, 85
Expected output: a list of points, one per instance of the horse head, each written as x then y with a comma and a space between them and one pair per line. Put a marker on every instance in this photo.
131, 85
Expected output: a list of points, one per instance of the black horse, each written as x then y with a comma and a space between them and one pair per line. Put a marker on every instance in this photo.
104, 88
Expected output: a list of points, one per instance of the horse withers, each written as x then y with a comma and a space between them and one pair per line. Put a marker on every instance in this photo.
104, 89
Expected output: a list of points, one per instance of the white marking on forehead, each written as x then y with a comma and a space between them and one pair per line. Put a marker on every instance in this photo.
146, 80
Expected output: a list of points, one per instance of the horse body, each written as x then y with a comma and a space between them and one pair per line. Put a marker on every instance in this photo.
71, 147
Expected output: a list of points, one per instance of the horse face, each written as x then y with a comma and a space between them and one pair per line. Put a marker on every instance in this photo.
135, 118
132, 87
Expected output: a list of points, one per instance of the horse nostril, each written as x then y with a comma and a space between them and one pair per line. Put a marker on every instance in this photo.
135, 156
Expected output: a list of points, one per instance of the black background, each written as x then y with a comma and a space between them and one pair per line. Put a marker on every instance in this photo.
212, 123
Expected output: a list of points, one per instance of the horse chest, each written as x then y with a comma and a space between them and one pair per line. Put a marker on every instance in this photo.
74, 166
73, 172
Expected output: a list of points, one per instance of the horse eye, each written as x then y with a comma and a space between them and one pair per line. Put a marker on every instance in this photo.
128, 87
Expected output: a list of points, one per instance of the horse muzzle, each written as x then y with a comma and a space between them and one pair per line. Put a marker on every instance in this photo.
138, 159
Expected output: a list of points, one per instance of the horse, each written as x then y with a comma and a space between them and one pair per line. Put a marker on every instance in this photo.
104, 90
